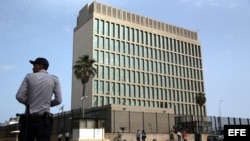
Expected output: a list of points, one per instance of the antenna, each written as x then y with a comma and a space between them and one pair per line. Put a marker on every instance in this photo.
61, 108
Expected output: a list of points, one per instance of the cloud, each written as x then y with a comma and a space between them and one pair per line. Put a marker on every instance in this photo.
7, 67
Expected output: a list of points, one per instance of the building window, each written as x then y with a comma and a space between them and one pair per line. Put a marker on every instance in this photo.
117, 60
117, 74
146, 78
122, 28
136, 35
112, 30
112, 100
101, 87
123, 75
137, 91
95, 87
149, 53
118, 101
132, 62
106, 44
96, 41
117, 46
146, 92
96, 57
127, 90
117, 31
133, 102
132, 49
96, 26
112, 88
107, 28
142, 78
133, 91
101, 72
123, 91
127, 51
107, 58
127, 33
127, 76
107, 101
141, 64
137, 77
127, 62
117, 89
95, 101
112, 59
133, 76
107, 73
132, 35
122, 47
122, 64
101, 27
101, 101
101, 57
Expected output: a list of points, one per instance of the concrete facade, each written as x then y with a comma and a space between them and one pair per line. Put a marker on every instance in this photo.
141, 62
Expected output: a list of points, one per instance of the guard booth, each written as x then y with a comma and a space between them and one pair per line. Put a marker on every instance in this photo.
86, 129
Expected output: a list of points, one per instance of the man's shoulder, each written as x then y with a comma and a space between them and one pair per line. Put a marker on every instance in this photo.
29, 74
54, 76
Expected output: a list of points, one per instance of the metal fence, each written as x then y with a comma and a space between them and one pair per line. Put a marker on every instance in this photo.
132, 121
208, 124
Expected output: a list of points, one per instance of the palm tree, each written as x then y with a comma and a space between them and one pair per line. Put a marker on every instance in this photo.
83, 70
200, 100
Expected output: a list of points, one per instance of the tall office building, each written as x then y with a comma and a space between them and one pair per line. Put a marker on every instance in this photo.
141, 62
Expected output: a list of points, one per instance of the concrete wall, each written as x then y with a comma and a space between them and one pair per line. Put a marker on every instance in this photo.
128, 137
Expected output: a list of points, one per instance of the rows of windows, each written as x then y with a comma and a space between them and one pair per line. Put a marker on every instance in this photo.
145, 92
112, 47
110, 63
143, 78
133, 35
179, 108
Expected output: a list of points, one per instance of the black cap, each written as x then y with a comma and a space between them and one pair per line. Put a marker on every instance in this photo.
42, 61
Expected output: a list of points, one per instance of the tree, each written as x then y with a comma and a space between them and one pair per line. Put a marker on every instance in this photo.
122, 128
83, 70
200, 100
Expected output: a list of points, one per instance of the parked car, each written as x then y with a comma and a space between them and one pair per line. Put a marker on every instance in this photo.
215, 138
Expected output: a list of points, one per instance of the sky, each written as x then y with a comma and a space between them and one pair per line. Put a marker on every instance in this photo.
44, 28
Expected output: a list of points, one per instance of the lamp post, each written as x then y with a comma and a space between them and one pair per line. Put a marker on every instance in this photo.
220, 108
82, 99
219, 120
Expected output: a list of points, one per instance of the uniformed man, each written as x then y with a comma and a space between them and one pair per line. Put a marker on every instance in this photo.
36, 92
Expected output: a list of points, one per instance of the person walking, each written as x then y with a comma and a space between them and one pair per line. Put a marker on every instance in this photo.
119, 136
138, 135
179, 135
59, 137
36, 93
66, 135
185, 135
171, 136
143, 135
